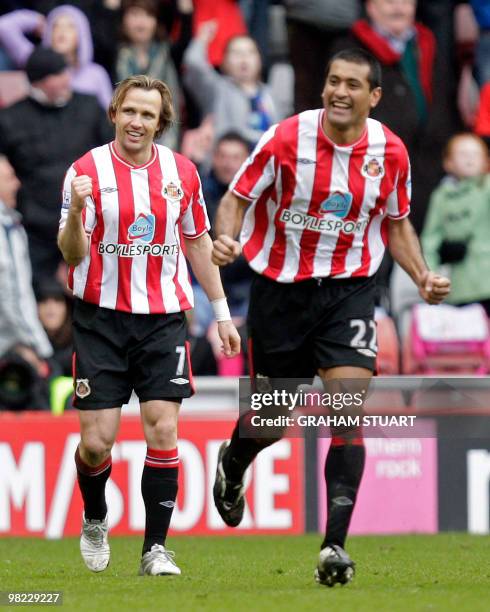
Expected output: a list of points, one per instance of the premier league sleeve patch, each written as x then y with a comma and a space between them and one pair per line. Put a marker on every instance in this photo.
65, 205
372, 167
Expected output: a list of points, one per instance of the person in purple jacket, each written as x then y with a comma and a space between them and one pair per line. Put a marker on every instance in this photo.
66, 30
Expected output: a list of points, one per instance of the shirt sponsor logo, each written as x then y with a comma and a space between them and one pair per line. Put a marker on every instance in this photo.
305, 161
338, 204
372, 167
137, 249
143, 228
172, 191
327, 225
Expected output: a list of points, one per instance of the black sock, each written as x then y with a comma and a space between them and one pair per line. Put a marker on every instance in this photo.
242, 451
159, 489
344, 466
92, 481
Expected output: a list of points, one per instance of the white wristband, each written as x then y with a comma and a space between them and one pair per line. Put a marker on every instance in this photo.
221, 310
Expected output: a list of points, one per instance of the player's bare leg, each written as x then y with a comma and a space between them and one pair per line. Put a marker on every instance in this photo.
98, 429
159, 484
344, 467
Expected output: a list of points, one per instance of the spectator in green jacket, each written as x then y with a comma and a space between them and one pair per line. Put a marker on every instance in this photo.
457, 228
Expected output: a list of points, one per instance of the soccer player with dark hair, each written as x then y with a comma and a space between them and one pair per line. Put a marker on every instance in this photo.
130, 210
317, 201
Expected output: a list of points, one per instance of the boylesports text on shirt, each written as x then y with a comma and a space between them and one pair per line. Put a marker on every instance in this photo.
137, 250
297, 220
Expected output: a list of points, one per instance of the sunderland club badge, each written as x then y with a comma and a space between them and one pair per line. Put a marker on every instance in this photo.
372, 167
172, 191
82, 388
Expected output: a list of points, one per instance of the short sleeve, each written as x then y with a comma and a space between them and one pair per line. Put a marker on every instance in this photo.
88, 214
398, 202
195, 220
258, 171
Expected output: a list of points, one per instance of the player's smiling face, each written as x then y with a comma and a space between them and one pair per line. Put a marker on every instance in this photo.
137, 120
347, 97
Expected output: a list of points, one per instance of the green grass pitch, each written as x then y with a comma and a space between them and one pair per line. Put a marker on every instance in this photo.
398, 573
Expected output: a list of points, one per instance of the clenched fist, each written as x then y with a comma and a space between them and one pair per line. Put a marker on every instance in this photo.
225, 250
434, 288
81, 188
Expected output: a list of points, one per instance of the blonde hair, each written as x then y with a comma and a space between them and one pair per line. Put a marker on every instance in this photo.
142, 81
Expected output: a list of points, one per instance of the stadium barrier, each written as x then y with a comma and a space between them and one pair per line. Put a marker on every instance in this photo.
436, 479
39, 495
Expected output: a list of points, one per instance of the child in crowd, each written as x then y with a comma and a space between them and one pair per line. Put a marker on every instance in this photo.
457, 226
235, 97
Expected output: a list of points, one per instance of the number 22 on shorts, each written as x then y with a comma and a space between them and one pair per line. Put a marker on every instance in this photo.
359, 341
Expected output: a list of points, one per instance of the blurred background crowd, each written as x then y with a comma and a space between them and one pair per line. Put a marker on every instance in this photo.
235, 67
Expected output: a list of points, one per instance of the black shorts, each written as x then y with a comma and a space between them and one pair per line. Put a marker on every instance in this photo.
116, 352
296, 328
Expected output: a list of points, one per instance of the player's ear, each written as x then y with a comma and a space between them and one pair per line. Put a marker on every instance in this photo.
111, 114
323, 95
375, 96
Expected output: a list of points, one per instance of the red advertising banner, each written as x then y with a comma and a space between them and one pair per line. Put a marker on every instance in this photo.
39, 494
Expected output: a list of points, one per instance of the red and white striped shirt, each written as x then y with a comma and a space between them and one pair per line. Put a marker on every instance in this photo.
136, 221
320, 209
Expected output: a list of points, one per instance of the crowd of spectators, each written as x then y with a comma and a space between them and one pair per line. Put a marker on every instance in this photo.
218, 58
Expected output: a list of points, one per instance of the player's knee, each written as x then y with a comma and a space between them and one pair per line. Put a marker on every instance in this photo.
96, 449
164, 432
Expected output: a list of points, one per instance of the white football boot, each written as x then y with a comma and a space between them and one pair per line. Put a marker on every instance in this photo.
94, 544
158, 562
